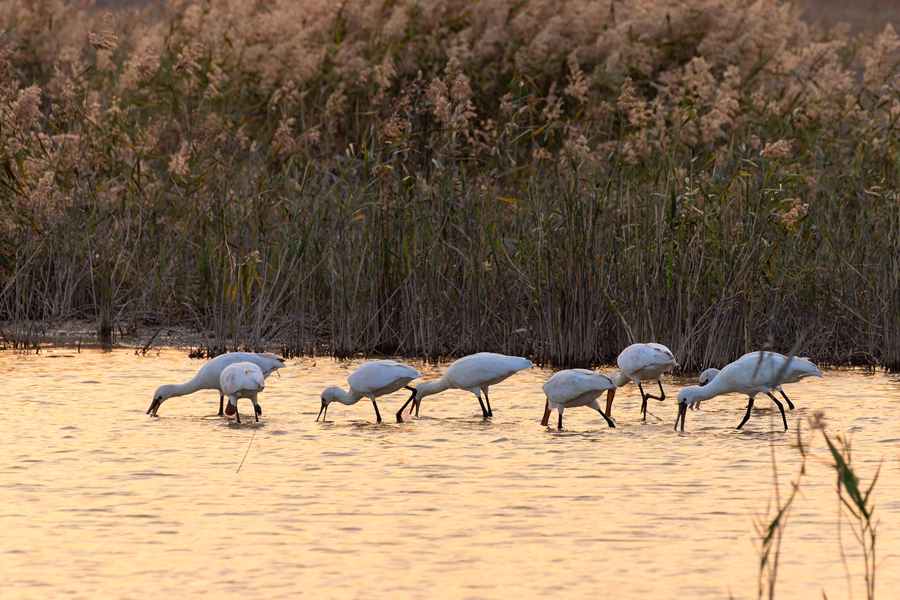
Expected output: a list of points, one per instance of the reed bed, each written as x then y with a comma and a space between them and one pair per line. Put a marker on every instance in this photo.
433, 178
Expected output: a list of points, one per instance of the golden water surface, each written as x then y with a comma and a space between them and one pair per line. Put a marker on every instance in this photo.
98, 500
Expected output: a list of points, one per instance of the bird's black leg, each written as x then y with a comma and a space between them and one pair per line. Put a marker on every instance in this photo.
402, 408
256, 412
377, 414
560, 422
643, 402
747, 416
488, 400
484, 412
221, 405
780, 407
237, 415
662, 394
786, 399
608, 420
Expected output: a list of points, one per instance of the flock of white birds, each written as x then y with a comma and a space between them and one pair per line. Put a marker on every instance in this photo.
242, 375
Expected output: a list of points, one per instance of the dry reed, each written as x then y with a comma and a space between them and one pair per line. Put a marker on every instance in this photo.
433, 178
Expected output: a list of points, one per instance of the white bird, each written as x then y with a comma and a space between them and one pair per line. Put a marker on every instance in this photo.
796, 371
207, 378
576, 387
474, 373
242, 380
642, 362
752, 374
371, 380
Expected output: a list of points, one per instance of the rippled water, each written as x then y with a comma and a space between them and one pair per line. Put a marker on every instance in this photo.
101, 501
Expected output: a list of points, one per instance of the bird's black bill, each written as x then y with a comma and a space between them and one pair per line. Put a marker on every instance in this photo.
322, 409
682, 411
153, 407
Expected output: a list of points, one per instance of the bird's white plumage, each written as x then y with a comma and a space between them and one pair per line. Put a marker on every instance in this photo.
371, 380
209, 375
381, 377
798, 368
640, 363
241, 379
645, 362
575, 387
475, 373
752, 374
484, 369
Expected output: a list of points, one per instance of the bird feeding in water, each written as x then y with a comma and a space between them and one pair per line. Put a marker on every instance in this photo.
242, 380
797, 369
642, 362
371, 380
752, 374
208, 377
577, 387
474, 373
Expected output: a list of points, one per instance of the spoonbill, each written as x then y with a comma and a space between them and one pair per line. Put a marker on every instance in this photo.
208, 377
796, 371
242, 380
371, 380
642, 362
474, 373
576, 387
752, 374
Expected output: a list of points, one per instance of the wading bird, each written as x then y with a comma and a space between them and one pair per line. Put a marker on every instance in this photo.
642, 362
752, 374
207, 378
796, 370
475, 373
371, 380
576, 387
242, 380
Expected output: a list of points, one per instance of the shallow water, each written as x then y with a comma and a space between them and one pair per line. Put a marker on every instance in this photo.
98, 500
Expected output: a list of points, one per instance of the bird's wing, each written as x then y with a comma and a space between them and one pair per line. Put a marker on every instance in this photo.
380, 374
572, 383
800, 368
212, 370
646, 357
472, 371
753, 369
228, 380
267, 362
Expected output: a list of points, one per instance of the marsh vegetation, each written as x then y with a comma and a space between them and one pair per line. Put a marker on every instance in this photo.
550, 179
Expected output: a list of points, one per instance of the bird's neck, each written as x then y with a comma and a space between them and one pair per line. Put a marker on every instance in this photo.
346, 398
183, 389
431, 387
619, 379
714, 388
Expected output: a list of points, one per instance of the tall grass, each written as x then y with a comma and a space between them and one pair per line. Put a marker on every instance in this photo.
434, 178
854, 501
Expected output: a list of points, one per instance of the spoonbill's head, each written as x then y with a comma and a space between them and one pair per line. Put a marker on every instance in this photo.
162, 393
328, 396
708, 375
687, 397
620, 379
